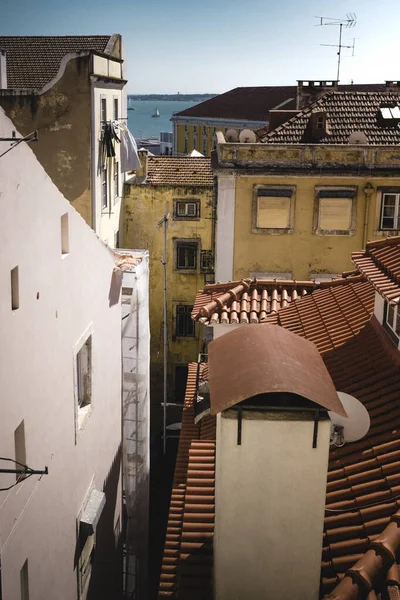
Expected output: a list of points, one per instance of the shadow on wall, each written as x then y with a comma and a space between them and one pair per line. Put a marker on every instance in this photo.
115, 288
106, 577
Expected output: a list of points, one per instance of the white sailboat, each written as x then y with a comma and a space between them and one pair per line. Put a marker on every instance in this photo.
130, 107
156, 113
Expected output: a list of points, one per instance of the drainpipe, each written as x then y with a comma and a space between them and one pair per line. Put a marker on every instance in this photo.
367, 193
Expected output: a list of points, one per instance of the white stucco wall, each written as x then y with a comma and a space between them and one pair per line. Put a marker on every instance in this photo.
270, 501
60, 297
379, 307
226, 228
106, 220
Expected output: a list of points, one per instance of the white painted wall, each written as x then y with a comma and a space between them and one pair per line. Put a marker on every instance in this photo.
106, 221
59, 298
225, 227
379, 307
270, 501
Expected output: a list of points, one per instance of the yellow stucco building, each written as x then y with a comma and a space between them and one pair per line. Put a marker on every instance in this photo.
315, 189
184, 188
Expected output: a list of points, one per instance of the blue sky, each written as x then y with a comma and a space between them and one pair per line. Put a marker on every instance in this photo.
216, 45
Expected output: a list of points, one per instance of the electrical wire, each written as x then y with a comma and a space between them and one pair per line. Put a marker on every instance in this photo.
17, 142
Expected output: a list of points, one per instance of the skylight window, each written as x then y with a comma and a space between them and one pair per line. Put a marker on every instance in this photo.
389, 115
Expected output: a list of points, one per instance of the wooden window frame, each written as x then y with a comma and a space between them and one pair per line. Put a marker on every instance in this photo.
195, 244
186, 217
184, 325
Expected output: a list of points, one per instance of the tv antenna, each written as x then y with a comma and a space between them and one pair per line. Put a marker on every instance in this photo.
348, 22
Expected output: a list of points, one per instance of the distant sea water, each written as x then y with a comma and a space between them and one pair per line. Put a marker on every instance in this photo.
142, 125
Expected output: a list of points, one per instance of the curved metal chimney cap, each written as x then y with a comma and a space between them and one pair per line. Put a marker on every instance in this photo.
254, 360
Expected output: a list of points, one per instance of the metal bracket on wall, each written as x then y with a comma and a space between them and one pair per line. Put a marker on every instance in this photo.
31, 137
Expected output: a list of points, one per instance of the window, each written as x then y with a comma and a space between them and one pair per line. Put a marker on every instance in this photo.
320, 122
185, 326
20, 449
64, 235
389, 116
273, 209
24, 581
103, 110
86, 541
186, 144
116, 239
116, 180
390, 217
83, 379
84, 373
116, 109
194, 137
335, 211
391, 321
205, 144
186, 255
14, 288
206, 261
104, 195
186, 210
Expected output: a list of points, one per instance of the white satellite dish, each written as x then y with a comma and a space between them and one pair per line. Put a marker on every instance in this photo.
357, 423
231, 135
247, 136
358, 137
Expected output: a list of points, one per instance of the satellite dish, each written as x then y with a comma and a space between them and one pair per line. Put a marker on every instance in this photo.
247, 136
358, 137
231, 135
352, 428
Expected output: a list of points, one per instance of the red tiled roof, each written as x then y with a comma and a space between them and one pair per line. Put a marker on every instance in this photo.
186, 570
251, 301
182, 170
346, 112
380, 262
254, 103
33, 61
360, 540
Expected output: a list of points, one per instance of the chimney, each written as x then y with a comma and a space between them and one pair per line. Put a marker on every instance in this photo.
3, 70
277, 117
141, 173
392, 86
271, 392
309, 91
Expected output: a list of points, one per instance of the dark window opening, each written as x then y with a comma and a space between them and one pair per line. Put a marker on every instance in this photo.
186, 255
185, 326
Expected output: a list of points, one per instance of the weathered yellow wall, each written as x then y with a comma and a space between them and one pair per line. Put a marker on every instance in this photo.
62, 117
301, 252
143, 208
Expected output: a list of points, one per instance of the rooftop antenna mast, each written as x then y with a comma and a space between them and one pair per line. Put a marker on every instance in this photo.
349, 21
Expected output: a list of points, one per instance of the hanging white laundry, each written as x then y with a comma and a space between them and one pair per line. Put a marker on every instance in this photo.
129, 153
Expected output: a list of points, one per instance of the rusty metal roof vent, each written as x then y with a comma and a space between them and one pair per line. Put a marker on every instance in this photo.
254, 360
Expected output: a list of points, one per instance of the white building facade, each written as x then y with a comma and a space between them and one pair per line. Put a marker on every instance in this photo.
60, 397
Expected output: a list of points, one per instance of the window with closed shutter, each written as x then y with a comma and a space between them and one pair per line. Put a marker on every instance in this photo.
335, 213
273, 212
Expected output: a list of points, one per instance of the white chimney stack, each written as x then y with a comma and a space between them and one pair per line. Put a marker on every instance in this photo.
271, 392
3, 70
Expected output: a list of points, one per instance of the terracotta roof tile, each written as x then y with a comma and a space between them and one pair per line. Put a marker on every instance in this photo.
380, 263
346, 112
254, 103
360, 536
33, 61
252, 301
183, 170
